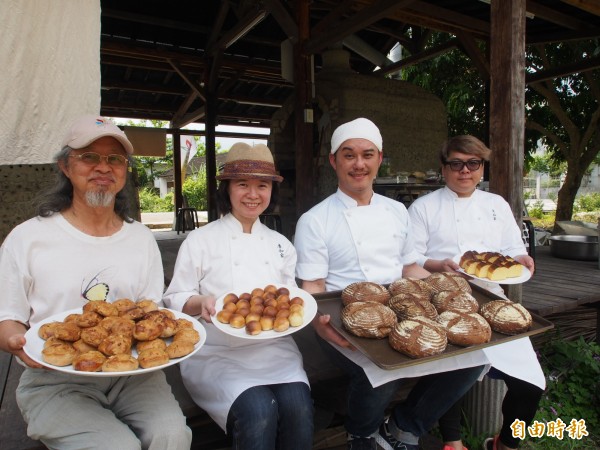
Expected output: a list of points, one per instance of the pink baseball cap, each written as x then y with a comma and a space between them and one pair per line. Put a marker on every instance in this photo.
89, 128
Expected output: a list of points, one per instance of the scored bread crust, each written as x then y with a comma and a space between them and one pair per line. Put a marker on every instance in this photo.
507, 317
465, 329
410, 286
407, 306
368, 319
365, 291
418, 337
455, 301
447, 281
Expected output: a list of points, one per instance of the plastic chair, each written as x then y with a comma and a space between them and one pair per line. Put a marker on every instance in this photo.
528, 235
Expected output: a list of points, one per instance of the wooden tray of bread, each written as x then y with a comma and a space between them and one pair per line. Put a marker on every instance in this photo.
383, 355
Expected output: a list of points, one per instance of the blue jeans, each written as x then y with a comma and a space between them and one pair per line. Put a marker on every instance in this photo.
278, 416
427, 401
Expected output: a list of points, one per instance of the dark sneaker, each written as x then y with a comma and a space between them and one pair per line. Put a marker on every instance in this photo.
490, 443
386, 441
358, 443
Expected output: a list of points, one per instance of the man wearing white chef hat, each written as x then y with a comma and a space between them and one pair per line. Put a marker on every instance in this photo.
83, 248
480, 221
358, 235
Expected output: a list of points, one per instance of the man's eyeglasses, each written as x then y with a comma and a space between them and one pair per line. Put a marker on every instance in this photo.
458, 165
93, 159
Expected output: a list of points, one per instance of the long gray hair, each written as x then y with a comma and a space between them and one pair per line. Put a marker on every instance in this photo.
59, 197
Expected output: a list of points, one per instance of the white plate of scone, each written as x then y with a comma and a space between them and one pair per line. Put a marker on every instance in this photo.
264, 312
110, 346
492, 267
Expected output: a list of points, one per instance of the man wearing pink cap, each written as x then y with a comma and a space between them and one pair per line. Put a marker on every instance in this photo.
83, 246
357, 235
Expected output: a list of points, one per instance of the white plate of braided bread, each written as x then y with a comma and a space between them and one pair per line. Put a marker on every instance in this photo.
265, 312
79, 342
492, 267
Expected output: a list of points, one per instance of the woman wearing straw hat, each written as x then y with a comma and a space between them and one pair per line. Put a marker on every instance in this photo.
256, 390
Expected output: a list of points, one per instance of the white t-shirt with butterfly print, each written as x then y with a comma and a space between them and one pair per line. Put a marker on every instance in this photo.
47, 266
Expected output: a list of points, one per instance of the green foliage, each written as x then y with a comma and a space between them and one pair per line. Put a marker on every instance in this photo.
572, 370
536, 211
150, 201
587, 202
194, 190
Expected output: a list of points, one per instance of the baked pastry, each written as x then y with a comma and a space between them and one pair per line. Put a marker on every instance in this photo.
506, 317
47, 330
178, 349
89, 361
82, 346
448, 281
365, 291
134, 313
465, 328
152, 357
103, 308
154, 343
59, 354
67, 331
253, 327
123, 304
407, 306
492, 265
121, 325
94, 335
115, 344
147, 329
368, 319
411, 286
418, 337
120, 363
188, 335
455, 301
87, 319
147, 305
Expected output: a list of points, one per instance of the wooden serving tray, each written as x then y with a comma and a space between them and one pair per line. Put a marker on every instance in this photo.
383, 355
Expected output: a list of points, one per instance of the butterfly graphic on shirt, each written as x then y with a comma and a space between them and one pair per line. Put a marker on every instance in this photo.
95, 290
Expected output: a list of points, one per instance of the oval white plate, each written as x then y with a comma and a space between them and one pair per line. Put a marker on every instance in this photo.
35, 344
310, 310
526, 275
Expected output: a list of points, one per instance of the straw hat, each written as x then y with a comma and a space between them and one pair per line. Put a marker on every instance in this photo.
245, 161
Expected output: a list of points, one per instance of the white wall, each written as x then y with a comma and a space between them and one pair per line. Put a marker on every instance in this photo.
50, 60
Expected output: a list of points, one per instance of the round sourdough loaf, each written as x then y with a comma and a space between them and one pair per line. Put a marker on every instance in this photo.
410, 286
447, 281
365, 291
407, 306
465, 328
455, 301
507, 317
368, 319
418, 337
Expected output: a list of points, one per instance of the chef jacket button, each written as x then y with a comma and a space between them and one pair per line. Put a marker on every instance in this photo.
236, 263
266, 262
366, 269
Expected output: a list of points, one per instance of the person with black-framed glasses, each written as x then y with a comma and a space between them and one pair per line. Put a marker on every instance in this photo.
451, 221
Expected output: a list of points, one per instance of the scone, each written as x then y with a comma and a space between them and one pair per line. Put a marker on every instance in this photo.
120, 363
89, 361
59, 354
152, 357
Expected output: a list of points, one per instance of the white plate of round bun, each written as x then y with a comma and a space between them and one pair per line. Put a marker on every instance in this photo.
492, 267
264, 312
44, 346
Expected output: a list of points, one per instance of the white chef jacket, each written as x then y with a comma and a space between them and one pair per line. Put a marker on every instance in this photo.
445, 226
216, 259
343, 243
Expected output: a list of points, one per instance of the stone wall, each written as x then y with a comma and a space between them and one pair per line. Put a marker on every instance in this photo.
19, 187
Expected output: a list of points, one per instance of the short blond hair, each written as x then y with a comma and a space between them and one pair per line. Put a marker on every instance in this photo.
467, 144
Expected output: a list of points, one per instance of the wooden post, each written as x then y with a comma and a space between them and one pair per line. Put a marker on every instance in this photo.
177, 170
507, 111
211, 159
303, 113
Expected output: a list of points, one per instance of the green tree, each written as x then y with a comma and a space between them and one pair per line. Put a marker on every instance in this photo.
565, 113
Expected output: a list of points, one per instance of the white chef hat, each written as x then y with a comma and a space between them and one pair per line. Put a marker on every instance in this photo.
360, 128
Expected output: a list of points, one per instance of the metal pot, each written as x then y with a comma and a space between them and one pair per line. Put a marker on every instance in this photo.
574, 247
